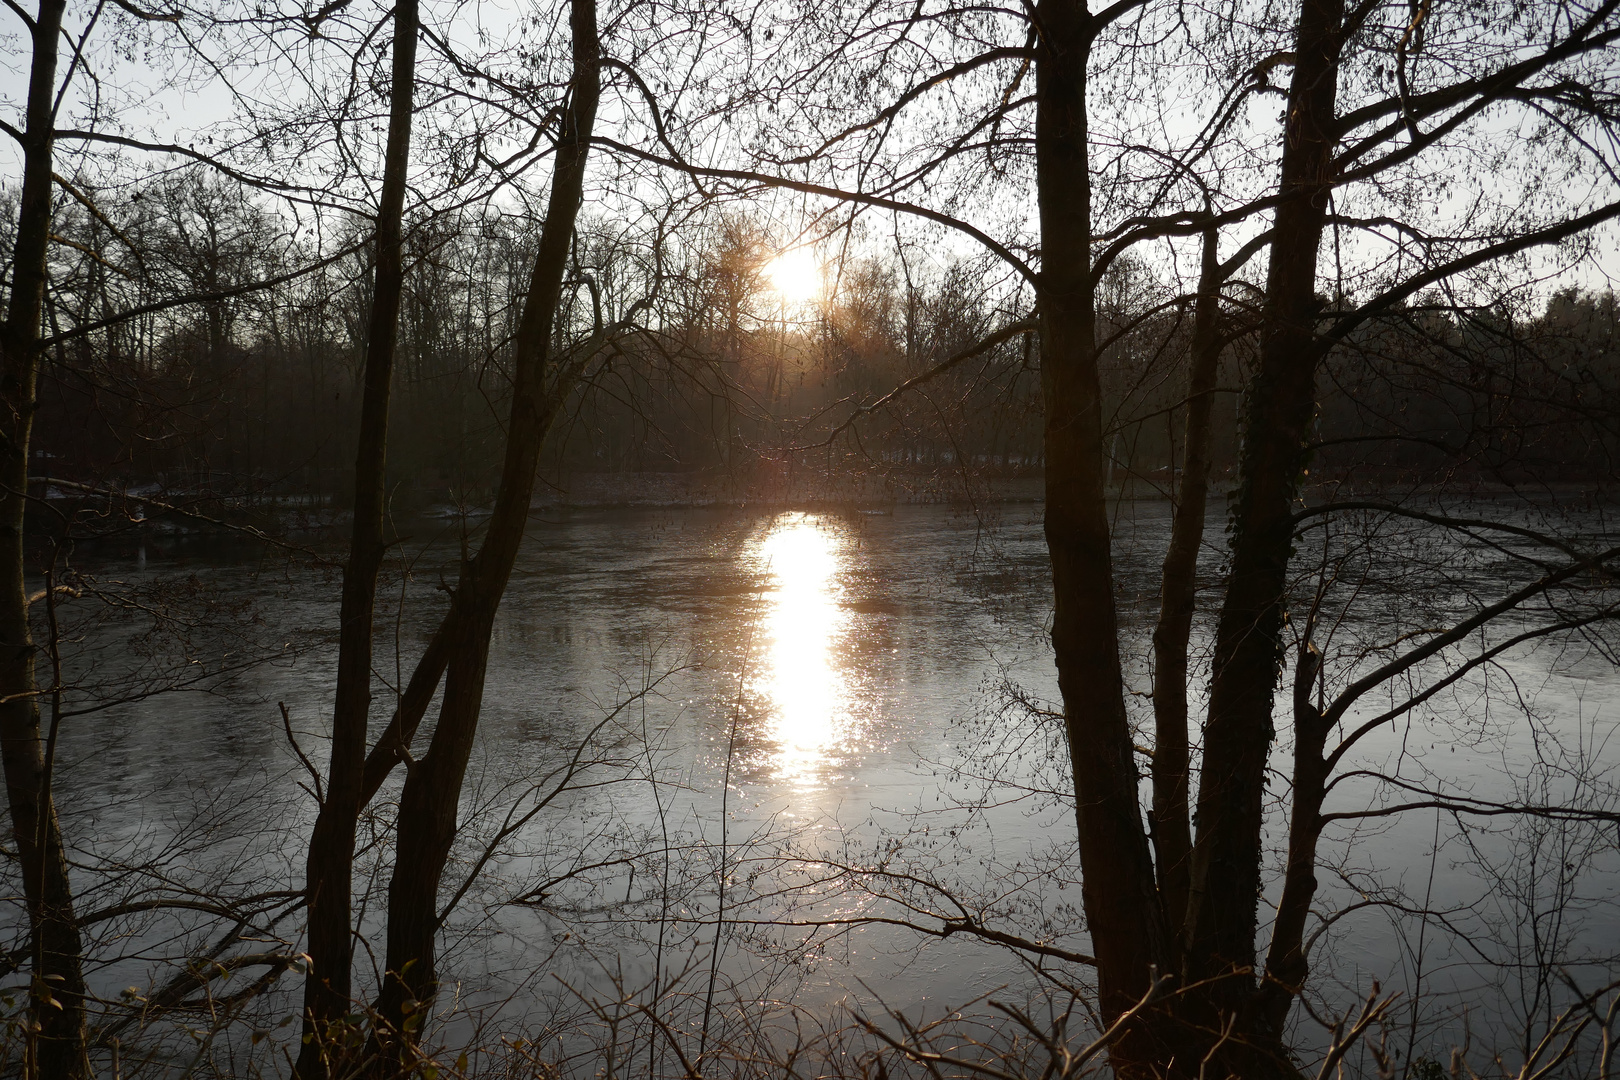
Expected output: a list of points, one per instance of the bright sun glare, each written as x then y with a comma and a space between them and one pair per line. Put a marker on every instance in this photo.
805, 621
795, 275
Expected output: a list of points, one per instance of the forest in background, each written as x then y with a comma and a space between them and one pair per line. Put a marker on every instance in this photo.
252, 400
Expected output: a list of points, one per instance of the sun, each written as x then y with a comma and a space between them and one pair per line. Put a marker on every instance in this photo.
795, 275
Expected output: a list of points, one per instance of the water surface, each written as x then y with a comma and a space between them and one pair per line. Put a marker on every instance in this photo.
801, 721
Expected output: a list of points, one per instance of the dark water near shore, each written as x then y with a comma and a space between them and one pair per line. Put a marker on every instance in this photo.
865, 682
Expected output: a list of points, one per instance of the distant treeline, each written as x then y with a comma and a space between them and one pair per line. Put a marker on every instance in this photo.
250, 393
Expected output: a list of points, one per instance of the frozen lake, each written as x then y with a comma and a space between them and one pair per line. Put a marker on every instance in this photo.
871, 685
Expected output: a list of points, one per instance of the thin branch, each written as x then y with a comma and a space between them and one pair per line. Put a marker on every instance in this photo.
1027, 325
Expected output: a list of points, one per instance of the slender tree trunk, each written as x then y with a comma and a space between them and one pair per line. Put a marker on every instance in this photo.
56, 1001
1121, 907
432, 792
1248, 645
1286, 963
394, 743
1172, 829
329, 870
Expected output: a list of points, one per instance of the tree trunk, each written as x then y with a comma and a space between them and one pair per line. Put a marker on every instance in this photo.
1121, 907
1248, 645
1172, 830
432, 792
56, 1001
393, 745
1286, 964
329, 870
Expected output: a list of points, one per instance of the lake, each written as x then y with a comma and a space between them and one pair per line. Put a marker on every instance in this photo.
810, 728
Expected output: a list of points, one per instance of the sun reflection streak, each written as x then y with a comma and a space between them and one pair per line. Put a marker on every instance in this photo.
801, 675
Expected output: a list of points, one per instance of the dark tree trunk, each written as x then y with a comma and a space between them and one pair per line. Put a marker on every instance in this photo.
1172, 829
432, 792
1248, 645
1122, 909
1286, 963
395, 741
56, 1000
329, 870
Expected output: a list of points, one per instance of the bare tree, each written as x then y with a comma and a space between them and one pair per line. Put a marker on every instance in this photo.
57, 995
328, 989
545, 377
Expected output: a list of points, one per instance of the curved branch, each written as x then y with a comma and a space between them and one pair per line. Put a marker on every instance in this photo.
200, 298
769, 180
1443, 520
1027, 325
1342, 703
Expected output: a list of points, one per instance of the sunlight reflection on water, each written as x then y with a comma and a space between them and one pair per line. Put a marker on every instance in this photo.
804, 623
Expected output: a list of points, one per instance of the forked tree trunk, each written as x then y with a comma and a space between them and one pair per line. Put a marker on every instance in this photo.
56, 1000
1248, 644
1122, 909
1172, 829
329, 869
432, 791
